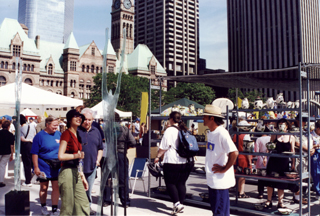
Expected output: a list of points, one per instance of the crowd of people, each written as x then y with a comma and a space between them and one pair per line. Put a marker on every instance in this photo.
68, 153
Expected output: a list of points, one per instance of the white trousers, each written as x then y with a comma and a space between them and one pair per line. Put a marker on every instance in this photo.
4, 159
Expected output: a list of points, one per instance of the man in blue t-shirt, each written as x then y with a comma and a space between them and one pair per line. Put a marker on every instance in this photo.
92, 147
44, 152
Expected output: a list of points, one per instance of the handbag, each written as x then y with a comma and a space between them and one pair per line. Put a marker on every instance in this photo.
53, 163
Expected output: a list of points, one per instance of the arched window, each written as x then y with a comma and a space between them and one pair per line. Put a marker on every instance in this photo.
57, 83
51, 83
97, 69
3, 81
88, 68
28, 67
71, 82
28, 81
6, 65
50, 68
13, 66
2, 65
24, 67
83, 68
72, 95
60, 83
92, 68
32, 67
127, 29
74, 83
101, 70
18, 66
130, 31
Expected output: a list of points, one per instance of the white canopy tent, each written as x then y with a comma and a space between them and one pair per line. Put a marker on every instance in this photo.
28, 112
98, 109
33, 97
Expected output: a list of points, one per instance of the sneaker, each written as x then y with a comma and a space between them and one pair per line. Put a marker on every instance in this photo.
26, 185
44, 211
179, 208
56, 213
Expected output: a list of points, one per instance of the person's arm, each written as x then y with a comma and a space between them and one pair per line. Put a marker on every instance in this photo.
35, 164
159, 155
100, 152
63, 156
131, 139
293, 143
84, 181
12, 151
232, 157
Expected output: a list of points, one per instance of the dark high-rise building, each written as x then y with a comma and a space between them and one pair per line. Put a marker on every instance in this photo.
273, 34
170, 28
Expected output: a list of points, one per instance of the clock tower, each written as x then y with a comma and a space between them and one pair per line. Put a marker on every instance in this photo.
122, 16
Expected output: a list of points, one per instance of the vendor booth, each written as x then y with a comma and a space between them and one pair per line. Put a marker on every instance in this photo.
98, 109
292, 81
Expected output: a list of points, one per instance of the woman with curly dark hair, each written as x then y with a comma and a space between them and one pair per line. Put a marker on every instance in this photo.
176, 170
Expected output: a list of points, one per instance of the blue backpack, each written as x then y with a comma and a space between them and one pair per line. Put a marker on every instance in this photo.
188, 146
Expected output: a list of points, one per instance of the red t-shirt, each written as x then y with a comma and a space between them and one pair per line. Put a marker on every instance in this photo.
73, 145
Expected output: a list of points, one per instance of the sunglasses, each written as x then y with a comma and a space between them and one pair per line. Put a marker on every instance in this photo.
76, 115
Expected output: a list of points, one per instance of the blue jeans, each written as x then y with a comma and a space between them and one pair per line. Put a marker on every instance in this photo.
90, 177
315, 170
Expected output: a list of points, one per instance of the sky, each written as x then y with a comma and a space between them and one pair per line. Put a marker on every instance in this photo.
91, 18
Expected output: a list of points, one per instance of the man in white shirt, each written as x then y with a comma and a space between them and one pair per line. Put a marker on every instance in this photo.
32, 123
221, 154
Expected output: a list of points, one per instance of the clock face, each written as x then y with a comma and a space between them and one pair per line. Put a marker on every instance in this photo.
127, 4
117, 4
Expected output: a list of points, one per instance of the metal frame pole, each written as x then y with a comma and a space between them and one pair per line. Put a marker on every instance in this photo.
149, 134
308, 136
301, 128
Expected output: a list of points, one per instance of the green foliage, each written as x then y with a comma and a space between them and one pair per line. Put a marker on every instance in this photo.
130, 92
197, 92
251, 95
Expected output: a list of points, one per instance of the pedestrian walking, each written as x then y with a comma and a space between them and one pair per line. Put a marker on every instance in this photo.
71, 180
92, 147
221, 154
6, 149
44, 152
176, 170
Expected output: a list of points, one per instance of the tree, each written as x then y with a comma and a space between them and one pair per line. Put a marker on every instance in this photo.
251, 95
197, 92
130, 92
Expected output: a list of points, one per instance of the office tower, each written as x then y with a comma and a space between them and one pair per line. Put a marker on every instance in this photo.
273, 34
122, 16
52, 20
170, 28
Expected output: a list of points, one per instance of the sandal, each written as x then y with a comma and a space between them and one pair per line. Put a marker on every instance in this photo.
281, 205
268, 204
304, 201
243, 196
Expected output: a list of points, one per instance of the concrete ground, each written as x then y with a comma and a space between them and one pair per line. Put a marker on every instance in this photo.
141, 204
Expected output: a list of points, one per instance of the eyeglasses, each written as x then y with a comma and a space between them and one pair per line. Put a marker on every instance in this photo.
76, 116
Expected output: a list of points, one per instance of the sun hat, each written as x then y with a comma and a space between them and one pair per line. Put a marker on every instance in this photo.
137, 119
212, 110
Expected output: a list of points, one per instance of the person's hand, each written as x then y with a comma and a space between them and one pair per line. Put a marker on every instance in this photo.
218, 168
85, 183
80, 154
37, 171
11, 158
97, 163
312, 151
156, 160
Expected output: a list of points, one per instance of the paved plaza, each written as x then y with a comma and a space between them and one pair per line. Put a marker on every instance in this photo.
141, 204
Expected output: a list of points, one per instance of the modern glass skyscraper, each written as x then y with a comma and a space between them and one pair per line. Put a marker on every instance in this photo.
51, 19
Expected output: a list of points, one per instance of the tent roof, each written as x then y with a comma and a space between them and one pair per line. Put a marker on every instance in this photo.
99, 111
28, 112
280, 79
183, 102
34, 97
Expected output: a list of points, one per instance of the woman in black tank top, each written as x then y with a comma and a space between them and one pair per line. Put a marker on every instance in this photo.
284, 143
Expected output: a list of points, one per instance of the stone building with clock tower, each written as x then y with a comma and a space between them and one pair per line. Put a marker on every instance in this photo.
122, 16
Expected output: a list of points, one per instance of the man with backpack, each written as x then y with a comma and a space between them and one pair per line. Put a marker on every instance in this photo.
221, 154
